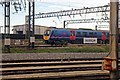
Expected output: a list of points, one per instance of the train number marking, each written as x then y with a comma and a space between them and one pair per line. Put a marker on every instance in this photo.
89, 40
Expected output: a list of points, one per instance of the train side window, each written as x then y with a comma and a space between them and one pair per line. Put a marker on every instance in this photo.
95, 34
84, 34
78, 34
72, 33
107, 34
91, 34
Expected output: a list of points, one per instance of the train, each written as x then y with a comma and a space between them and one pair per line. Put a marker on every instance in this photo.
74, 36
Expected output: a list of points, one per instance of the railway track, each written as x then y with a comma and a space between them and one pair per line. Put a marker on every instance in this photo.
21, 46
53, 68
47, 45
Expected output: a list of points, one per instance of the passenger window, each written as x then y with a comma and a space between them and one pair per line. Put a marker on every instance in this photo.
78, 34
72, 33
95, 34
84, 34
107, 34
91, 34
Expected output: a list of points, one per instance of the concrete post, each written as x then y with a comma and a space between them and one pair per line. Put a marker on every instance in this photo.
113, 37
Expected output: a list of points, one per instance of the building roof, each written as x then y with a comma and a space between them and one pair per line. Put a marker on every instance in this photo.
27, 24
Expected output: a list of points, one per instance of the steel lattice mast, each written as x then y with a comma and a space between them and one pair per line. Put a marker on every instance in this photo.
6, 4
31, 23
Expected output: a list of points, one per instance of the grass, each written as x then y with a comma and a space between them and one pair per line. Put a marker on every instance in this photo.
103, 48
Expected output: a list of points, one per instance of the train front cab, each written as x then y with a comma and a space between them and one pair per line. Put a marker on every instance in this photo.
46, 36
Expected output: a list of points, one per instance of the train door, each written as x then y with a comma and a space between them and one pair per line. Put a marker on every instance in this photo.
72, 35
104, 37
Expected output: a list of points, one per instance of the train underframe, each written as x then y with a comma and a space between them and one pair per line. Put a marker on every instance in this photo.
66, 41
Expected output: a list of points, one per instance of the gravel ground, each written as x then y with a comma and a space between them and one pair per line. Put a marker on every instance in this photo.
34, 56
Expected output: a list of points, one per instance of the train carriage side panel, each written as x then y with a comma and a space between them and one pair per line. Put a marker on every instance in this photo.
79, 36
60, 36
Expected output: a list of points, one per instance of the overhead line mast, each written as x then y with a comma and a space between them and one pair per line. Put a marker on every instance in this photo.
31, 23
7, 26
6, 4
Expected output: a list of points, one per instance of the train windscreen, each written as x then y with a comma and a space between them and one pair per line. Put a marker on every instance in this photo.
47, 33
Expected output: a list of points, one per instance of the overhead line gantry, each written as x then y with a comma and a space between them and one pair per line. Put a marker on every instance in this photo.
92, 20
85, 10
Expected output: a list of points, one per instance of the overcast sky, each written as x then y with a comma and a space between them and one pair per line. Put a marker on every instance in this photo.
54, 5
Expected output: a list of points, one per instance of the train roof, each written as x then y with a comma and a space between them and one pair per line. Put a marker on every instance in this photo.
80, 29
103, 30
70, 29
